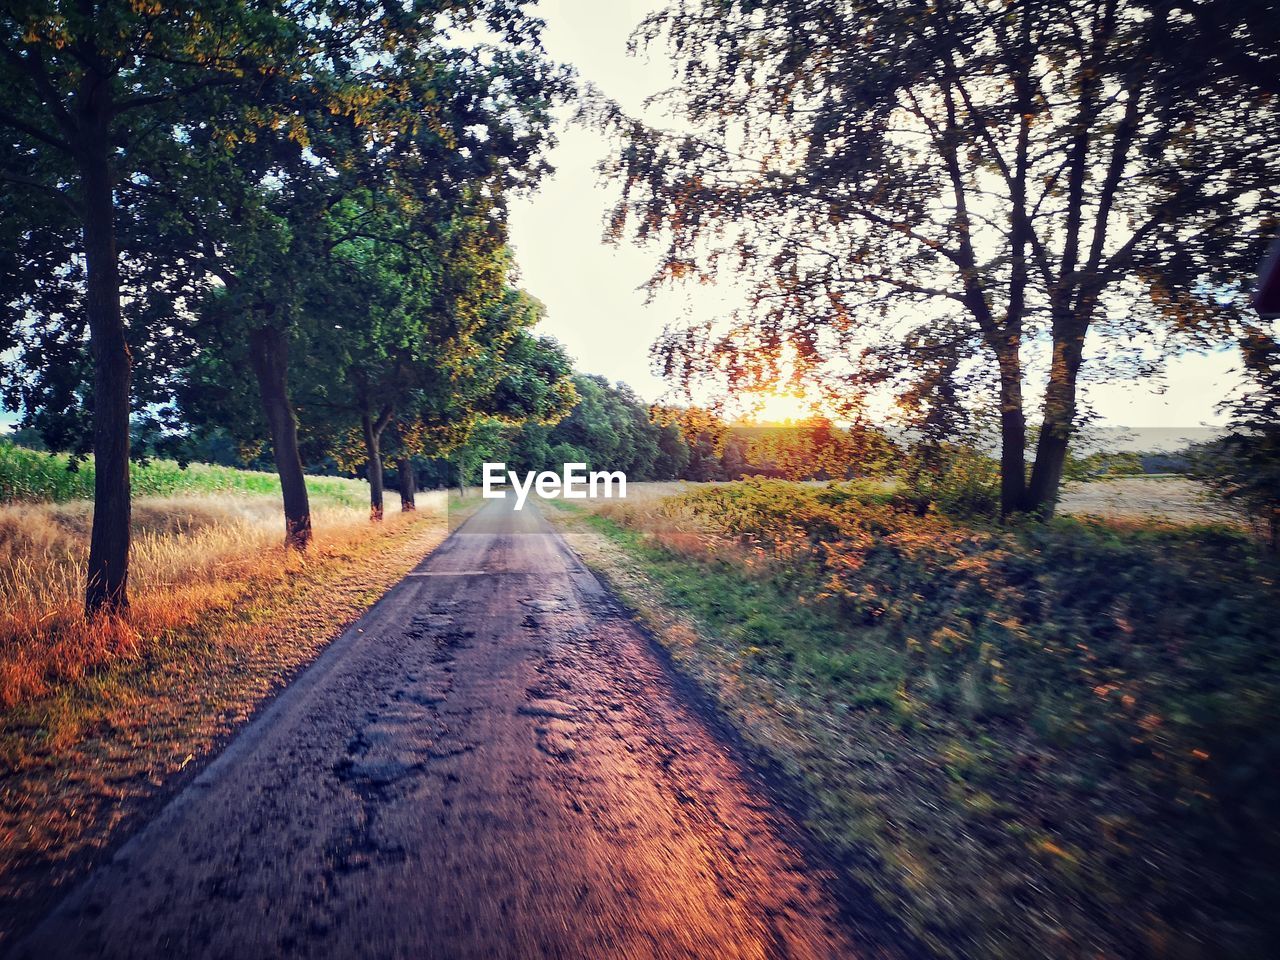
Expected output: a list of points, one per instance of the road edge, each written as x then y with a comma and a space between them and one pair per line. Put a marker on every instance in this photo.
868, 919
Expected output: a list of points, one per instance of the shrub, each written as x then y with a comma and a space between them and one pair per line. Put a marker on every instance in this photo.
1120, 687
951, 478
1244, 466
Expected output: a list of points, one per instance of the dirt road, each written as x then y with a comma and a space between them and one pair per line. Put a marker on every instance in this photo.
491, 763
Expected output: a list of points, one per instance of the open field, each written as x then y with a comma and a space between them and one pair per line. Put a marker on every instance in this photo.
1172, 499
191, 550
1046, 741
29, 476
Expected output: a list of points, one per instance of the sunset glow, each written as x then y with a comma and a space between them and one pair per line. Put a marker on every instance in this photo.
781, 405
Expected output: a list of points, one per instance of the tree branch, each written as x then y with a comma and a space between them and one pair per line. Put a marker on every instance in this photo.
44, 187
31, 130
134, 103
33, 66
384, 417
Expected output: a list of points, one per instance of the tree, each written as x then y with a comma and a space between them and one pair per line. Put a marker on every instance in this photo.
705, 436
385, 328
381, 158
673, 453
259, 247
610, 429
530, 389
817, 449
107, 106
504, 385
86, 87
1244, 465
918, 187
442, 342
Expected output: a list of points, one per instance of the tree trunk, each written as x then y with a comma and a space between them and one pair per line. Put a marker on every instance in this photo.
106, 587
373, 469
408, 485
1013, 438
269, 355
1059, 419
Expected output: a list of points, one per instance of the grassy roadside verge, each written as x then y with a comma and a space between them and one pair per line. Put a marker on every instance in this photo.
97, 753
1062, 802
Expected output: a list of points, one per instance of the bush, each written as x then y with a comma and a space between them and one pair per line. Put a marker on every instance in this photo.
1120, 688
950, 478
1244, 466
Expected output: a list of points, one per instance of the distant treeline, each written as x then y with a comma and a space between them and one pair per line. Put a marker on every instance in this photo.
611, 428
608, 426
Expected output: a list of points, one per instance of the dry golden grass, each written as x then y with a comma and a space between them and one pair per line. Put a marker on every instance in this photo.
655, 511
190, 554
1174, 500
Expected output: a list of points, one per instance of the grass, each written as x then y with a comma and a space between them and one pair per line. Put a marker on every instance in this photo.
189, 553
1047, 741
29, 476
198, 533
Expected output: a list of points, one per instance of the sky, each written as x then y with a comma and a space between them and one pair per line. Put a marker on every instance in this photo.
591, 289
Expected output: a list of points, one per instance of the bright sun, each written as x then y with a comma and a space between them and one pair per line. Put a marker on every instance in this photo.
779, 407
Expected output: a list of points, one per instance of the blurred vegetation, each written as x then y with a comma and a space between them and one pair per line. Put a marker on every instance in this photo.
1244, 465
952, 478
1045, 740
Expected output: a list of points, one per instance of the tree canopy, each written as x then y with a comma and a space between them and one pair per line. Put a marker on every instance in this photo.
165, 149
959, 200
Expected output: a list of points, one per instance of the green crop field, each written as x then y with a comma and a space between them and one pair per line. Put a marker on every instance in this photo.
29, 476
